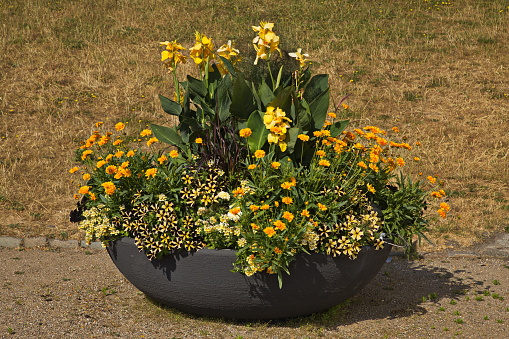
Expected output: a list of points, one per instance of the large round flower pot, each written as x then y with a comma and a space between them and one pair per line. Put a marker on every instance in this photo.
202, 283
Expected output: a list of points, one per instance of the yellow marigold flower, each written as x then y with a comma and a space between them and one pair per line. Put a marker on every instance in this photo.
104, 140
264, 207
371, 188
174, 154
255, 226
288, 216
74, 169
287, 200
305, 213
84, 189
198, 140
235, 210
245, 132
162, 159
109, 187
238, 191
99, 123
251, 167
117, 142
332, 115
445, 206
151, 172
381, 141
100, 163
345, 106
76, 196
270, 231
431, 179
320, 153
92, 196
119, 126
374, 167
322, 207
324, 163
303, 137
417, 159
151, 141
373, 157
318, 133
287, 185
112, 169
279, 225
145, 133
276, 203
86, 176
85, 154
254, 207
442, 192
437, 195
442, 212
275, 164
277, 250
362, 164
395, 130
400, 162
259, 154
130, 153
125, 164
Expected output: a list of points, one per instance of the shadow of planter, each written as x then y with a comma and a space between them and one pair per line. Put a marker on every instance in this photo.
202, 283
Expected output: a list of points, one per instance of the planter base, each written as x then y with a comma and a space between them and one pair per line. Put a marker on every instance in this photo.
202, 282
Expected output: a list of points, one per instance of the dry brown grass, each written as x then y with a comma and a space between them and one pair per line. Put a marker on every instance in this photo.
438, 71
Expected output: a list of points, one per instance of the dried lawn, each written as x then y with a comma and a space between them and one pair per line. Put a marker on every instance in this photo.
437, 70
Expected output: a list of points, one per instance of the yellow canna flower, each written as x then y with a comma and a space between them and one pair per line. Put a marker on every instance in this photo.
300, 57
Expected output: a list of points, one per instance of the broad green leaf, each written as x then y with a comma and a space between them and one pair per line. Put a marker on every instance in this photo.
316, 86
243, 103
170, 106
223, 100
292, 138
197, 86
228, 65
283, 100
318, 108
266, 94
167, 135
258, 138
338, 127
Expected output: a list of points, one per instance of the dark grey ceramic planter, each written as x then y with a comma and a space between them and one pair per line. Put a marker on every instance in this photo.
202, 282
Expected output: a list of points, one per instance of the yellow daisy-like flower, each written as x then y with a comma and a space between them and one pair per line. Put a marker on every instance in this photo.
431, 179
74, 169
305, 213
275, 164
84, 189
86, 176
145, 133
279, 225
100, 163
288, 216
109, 187
174, 154
303, 137
151, 172
371, 188
324, 163
112, 169
198, 140
400, 162
119, 126
245, 132
162, 159
130, 153
85, 154
251, 167
322, 207
320, 153
151, 141
270, 231
117, 142
259, 154
287, 200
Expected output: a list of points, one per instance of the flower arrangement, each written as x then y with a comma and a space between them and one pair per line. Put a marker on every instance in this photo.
261, 167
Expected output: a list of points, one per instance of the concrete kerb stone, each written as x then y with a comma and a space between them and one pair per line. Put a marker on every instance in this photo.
13, 242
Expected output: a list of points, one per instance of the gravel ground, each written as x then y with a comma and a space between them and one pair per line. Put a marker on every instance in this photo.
80, 294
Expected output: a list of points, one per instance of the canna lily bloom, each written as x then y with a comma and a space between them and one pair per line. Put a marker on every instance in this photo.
266, 42
201, 52
171, 56
300, 57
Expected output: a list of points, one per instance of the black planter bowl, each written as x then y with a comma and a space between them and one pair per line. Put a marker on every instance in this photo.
202, 283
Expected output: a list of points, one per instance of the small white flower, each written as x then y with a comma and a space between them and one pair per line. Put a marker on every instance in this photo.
223, 195
162, 197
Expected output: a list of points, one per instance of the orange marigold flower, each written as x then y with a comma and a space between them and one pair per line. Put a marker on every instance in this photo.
259, 154
442, 212
332, 115
99, 123
445, 206
417, 159
85, 154
324, 163
130, 153
238, 191
198, 140
174, 154
264, 207
318, 133
303, 137
275, 164
104, 140
254, 226
151, 141
84, 189
431, 179
305, 213
162, 159
119, 126
436, 195
345, 106
395, 130
74, 169
270, 231
288, 216
112, 169
400, 162
322, 207
117, 142
254, 207
245, 132
287, 200
252, 166
279, 225
100, 163
277, 250
92, 196
86, 176
320, 153
151, 172
109, 187
374, 167
145, 133
362, 164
